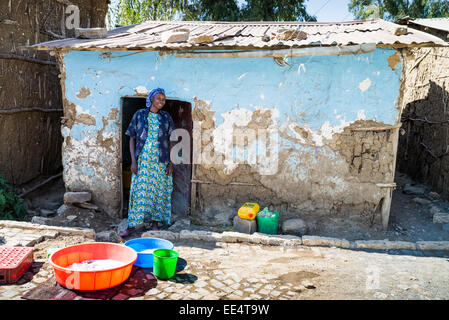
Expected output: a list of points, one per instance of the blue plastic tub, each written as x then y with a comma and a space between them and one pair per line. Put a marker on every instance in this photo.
145, 259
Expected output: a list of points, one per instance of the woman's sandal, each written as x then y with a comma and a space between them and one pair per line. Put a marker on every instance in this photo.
127, 232
154, 226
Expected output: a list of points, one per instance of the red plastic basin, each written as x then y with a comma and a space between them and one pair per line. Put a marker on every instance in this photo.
92, 280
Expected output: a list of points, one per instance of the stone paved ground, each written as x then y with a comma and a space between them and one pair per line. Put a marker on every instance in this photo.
235, 271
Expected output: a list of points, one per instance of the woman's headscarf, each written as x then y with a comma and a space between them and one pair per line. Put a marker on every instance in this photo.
152, 94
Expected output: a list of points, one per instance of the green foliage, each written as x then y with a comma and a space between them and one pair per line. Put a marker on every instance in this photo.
135, 11
276, 10
11, 206
130, 12
396, 9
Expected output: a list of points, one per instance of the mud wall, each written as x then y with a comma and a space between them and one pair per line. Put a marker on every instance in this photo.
423, 151
313, 135
30, 92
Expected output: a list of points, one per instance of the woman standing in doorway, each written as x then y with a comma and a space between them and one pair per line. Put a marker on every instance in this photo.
151, 182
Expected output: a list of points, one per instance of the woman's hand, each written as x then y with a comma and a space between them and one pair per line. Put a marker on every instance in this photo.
134, 167
169, 170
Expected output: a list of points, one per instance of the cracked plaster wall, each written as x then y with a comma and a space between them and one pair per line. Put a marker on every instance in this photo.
313, 105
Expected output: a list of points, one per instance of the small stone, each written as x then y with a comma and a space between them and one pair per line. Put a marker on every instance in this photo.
162, 295
177, 35
203, 38
152, 291
421, 201
90, 33
308, 285
441, 217
244, 225
413, 190
108, 236
77, 197
216, 284
200, 284
39, 280
62, 209
41, 220
275, 293
87, 205
238, 293
194, 296
434, 195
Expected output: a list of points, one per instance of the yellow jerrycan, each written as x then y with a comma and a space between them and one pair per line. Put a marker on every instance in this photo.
248, 211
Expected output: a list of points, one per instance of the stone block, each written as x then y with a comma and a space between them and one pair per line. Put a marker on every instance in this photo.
202, 38
441, 217
199, 235
62, 209
108, 236
161, 234
177, 35
41, 220
370, 244
421, 201
395, 245
235, 237
434, 195
432, 245
90, 33
77, 197
275, 240
244, 225
325, 241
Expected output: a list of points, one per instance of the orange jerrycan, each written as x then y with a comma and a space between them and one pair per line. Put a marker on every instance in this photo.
248, 211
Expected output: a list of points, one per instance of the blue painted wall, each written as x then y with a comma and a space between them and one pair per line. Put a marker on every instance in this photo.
309, 91
324, 88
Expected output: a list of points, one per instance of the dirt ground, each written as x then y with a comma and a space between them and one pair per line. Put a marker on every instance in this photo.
409, 221
275, 272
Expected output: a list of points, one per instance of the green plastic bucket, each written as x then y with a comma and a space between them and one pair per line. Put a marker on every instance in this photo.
268, 225
164, 263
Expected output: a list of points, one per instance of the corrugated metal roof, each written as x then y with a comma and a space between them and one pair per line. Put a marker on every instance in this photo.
257, 35
434, 23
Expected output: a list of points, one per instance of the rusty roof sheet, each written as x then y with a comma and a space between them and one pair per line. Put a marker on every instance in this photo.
257, 35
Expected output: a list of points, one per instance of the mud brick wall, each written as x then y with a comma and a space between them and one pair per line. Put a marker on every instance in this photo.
335, 132
30, 91
423, 151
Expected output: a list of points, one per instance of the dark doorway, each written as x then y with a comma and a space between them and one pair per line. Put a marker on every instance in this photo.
181, 113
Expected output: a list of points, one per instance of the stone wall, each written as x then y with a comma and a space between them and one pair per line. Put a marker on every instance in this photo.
423, 151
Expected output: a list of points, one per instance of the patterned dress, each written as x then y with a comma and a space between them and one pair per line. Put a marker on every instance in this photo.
151, 187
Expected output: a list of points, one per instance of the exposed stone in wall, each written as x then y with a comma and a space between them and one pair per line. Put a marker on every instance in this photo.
423, 149
338, 177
